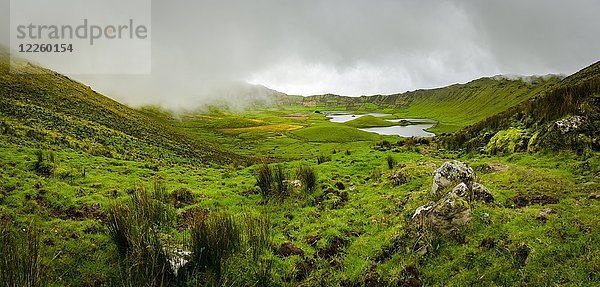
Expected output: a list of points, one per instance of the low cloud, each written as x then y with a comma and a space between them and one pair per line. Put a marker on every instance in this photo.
202, 51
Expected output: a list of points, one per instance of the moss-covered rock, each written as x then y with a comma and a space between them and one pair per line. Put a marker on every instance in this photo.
508, 141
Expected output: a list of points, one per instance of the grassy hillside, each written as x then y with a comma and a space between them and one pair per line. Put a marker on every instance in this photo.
43, 109
458, 106
534, 125
454, 107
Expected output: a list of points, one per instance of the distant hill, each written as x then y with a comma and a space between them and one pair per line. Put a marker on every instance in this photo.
43, 109
454, 106
564, 116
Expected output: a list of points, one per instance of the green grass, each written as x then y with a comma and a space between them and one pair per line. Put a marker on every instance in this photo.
369, 121
460, 105
353, 228
374, 219
454, 107
334, 133
42, 108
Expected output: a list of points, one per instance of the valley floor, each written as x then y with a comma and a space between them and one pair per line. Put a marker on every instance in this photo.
355, 228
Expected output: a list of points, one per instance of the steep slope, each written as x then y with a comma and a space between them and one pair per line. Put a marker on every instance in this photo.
44, 109
566, 116
454, 106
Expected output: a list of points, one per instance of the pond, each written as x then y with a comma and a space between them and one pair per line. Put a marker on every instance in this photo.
342, 117
416, 129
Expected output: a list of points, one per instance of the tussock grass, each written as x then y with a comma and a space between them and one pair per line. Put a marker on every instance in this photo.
20, 256
391, 162
134, 229
323, 159
281, 185
307, 176
272, 181
44, 164
220, 236
264, 180
213, 240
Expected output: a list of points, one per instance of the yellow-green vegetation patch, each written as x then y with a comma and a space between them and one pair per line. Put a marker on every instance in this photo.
265, 129
507, 141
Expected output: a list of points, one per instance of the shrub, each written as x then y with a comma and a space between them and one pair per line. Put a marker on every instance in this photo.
308, 177
19, 256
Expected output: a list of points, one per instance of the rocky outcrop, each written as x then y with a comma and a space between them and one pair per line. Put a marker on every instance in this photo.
450, 212
450, 173
569, 124
481, 193
446, 215
179, 258
453, 209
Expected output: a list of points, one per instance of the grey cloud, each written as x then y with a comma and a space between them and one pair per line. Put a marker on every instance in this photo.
203, 49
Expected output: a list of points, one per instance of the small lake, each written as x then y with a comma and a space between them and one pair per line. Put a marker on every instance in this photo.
415, 130
418, 130
342, 117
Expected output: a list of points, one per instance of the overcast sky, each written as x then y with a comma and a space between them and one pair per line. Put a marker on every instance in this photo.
351, 47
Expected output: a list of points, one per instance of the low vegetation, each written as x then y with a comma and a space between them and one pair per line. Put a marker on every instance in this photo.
308, 177
20, 258
93, 193
369, 121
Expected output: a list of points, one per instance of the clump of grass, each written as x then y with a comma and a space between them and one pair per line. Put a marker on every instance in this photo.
323, 158
307, 176
281, 185
44, 164
264, 180
220, 236
376, 174
383, 145
6, 128
159, 190
134, 229
272, 181
20, 256
214, 239
257, 234
391, 162
182, 196
150, 208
